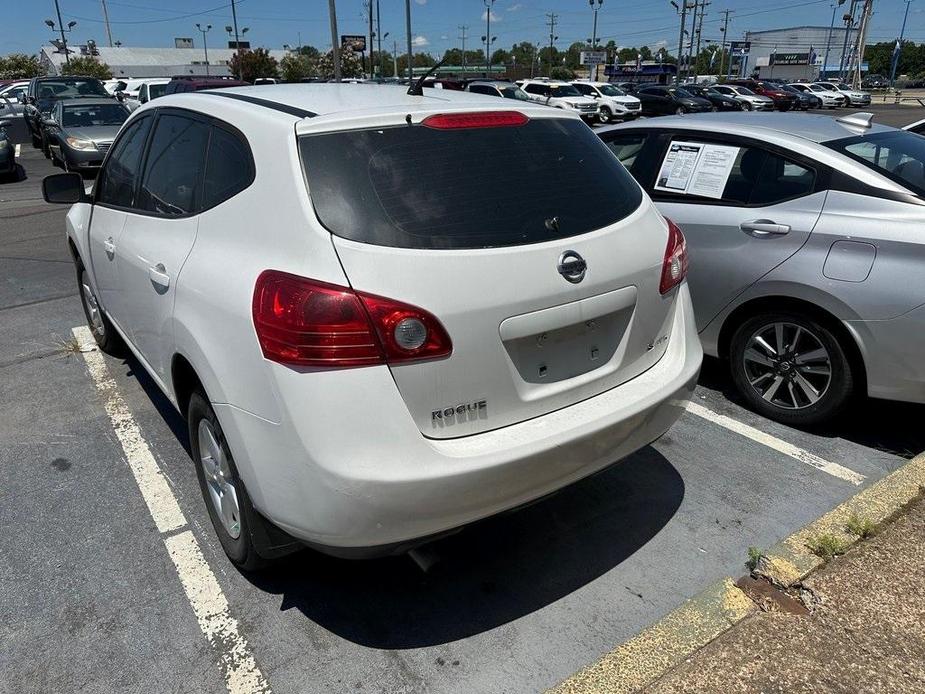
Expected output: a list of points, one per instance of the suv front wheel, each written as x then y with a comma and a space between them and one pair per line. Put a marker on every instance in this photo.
791, 368
604, 116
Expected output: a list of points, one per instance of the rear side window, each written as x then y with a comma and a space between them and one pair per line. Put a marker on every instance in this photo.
172, 183
418, 187
899, 155
229, 168
117, 180
481, 89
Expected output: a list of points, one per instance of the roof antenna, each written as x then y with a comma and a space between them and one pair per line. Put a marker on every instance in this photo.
417, 89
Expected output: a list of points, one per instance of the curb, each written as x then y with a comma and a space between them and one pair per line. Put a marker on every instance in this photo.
676, 637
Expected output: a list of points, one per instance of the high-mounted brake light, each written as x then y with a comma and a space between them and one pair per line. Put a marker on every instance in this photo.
303, 322
674, 267
482, 119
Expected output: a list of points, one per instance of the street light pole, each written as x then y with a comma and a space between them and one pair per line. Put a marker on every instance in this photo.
408, 31
379, 38
899, 48
600, 3
488, 4
683, 10
67, 58
205, 46
234, 21
335, 48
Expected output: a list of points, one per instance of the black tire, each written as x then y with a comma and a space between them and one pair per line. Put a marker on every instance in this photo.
833, 394
679, 111
605, 116
106, 336
748, 106
241, 550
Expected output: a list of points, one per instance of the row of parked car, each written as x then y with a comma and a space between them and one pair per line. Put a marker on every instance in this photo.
406, 349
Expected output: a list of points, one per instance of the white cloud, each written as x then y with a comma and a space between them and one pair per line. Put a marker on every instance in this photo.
444, 37
494, 17
421, 2
516, 6
420, 41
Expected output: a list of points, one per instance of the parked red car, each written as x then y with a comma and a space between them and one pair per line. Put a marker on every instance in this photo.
783, 101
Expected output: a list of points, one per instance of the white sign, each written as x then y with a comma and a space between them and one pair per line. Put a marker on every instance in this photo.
593, 57
696, 168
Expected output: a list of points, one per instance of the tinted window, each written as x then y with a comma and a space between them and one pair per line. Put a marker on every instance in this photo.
117, 180
172, 182
482, 89
229, 168
156, 90
536, 88
514, 93
898, 155
626, 146
93, 115
418, 187
585, 89
69, 88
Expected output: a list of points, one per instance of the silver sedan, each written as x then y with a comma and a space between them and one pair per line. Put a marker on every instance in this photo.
806, 247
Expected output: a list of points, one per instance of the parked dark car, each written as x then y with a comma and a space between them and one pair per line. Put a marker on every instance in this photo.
45, 92
505, 90
720, 102
78, 134
658, 100
783, 100
194, 83
7, 152
805, 100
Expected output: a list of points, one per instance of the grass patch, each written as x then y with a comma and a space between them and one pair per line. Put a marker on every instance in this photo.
754, 556
827, 546
70, 345
863, 528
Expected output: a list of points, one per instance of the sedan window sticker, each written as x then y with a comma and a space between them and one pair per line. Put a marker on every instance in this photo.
696, 168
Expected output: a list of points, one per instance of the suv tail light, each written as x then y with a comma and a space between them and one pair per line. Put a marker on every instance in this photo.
674, 267
303, 322
482, 119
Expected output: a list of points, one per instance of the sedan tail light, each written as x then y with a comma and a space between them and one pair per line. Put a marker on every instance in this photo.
303, 322
674, 267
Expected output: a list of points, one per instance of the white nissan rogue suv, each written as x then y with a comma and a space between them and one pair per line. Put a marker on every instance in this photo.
371, 347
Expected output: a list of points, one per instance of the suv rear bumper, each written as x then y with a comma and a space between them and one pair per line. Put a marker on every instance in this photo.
349, 477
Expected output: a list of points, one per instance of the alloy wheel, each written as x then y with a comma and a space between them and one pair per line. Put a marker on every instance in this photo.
94, 314
219, 479
787, 365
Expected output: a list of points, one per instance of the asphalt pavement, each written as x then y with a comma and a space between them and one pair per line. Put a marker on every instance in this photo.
90, 599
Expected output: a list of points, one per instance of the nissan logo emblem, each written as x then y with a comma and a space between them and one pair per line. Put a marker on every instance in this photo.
572, 267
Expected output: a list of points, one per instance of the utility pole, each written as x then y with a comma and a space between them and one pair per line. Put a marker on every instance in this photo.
600, 4
828, 41
234, 17
683, 10
67, 58
106, 21
690, 43
395, 58
849, 23
722, 54
205, 46
462, 37
551, 23
335, 47
862, 42
369, 7
378, 37
408, 30
899, 46
703, 11
488, 4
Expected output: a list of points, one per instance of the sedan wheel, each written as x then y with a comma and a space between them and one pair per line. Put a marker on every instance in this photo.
790, 368
749, 106
605, 116
679, 111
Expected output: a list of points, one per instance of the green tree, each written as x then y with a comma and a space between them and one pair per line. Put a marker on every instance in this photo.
87, 66
295, 67
500, 57
20, 66
561, 73
385, 65
249, 65
350, 65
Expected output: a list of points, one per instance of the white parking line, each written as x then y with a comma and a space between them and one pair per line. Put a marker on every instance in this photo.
788, 449
242, 675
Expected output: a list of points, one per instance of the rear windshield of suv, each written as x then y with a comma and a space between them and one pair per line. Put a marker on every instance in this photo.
418, 187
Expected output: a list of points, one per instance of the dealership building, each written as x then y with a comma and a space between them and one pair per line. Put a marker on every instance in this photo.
797, 53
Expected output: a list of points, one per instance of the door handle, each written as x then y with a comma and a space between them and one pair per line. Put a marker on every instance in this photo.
764, 227
110, 247
158, 275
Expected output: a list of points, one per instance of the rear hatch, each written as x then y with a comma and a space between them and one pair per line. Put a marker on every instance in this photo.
487, 228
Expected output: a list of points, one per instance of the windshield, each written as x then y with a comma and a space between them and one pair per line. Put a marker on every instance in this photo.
156, 90
564, 90
846, 87
92, 115
420, 187
514, 93
898, 155
677, 91
610, 90
745, 91
70, 88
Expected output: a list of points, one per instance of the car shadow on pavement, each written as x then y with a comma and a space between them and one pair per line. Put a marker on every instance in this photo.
164, 407
491, 573
892, 427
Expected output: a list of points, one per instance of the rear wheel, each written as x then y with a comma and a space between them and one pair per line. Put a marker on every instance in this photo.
230, 509
790, 368
605, 116
679, 111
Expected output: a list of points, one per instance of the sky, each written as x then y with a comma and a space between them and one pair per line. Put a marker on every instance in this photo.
435, 23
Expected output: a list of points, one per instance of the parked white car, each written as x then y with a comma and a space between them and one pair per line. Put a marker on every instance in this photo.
830, 98
749, 100
147, 90
854, 97
560, 95
613, 102
398, 350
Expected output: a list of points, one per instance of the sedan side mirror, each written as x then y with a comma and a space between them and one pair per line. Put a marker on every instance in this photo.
64, 189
